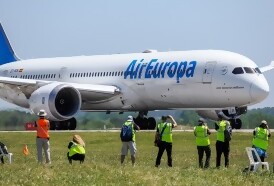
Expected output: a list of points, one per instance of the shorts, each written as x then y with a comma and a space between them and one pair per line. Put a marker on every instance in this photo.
131, 145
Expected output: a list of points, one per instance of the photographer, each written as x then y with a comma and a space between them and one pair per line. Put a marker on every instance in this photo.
164, 130
260, 139
202, 133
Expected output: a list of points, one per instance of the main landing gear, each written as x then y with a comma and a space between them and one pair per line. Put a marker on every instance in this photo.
235, 123
145, 123
63, 125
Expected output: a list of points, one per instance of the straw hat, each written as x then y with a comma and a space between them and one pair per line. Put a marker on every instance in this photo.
78, 139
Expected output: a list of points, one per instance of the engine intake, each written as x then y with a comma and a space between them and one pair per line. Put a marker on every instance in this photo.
60, 101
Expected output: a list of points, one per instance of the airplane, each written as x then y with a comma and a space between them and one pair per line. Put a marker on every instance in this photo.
207, 81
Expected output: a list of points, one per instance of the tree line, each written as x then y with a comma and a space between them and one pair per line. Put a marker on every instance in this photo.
15, 119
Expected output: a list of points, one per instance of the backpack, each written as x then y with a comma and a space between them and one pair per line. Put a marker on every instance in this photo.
126, 133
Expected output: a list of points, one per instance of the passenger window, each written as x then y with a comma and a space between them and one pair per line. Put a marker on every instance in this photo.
249, 70
238, 70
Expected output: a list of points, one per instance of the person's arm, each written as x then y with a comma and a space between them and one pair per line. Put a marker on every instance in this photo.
70, 144
48, 125
269, 134
174, 124
208, 131
136, 127
216, 126
156, 135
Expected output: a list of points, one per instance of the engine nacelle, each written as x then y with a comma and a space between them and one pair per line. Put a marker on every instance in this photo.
60, 101
232, 114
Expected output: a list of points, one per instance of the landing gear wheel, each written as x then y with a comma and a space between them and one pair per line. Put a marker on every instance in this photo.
151, 123
52, 125
72, 123
236, 123
141, 122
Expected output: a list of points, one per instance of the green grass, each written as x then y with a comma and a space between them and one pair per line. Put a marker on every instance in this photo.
102, 164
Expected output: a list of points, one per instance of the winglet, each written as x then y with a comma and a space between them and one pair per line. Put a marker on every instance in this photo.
268, 67
6, 52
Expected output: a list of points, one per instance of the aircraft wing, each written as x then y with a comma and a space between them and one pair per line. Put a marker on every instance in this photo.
268, 67
89, 92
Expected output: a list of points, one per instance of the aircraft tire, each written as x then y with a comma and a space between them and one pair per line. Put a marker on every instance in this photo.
142, 123
52, 125
72, 123
151, 123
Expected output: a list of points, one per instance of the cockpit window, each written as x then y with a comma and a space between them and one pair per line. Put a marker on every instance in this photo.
249, 70
257, 70
238, 70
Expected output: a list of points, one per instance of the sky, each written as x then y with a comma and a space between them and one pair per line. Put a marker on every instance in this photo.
38, 29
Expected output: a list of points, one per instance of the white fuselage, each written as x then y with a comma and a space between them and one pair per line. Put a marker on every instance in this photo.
150, 81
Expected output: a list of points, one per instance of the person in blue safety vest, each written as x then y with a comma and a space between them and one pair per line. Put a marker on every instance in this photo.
164, 130
127, 136
260, 139
224, 132
202, 133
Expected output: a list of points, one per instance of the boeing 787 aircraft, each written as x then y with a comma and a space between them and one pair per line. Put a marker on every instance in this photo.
208, 81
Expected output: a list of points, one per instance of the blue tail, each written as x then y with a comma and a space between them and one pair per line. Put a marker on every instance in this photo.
6, 53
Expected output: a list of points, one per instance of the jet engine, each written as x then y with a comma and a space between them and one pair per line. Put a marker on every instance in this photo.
232, 114
60, 101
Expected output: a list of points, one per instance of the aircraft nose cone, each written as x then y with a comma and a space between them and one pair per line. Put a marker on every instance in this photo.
259, 91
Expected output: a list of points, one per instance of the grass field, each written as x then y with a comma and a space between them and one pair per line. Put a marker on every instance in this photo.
102, 164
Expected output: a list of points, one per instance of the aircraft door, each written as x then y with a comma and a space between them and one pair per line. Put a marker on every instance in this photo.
62, 73
208, 71
140, 79
5, 73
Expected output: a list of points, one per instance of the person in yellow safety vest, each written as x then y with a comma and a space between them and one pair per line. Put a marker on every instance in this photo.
260, 139
127, 136
164, 129
224, 132
202, 133
76, 149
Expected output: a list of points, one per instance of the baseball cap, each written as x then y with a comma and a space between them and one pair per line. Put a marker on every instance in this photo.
264, 122
130, 117
201, 120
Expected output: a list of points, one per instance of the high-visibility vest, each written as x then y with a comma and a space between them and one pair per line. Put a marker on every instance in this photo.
76, 149
201, 134
42, 128
220, 131
167, 133
127, 123
261, 138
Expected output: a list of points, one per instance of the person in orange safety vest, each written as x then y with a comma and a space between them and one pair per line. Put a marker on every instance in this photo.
42, 138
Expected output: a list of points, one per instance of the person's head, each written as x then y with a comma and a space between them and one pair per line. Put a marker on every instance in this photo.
164, 118
220, 116
130, 118
42, 113
263, 124
201, 121
77, 139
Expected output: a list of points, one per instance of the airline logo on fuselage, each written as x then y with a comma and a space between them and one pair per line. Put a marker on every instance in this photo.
155, 69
